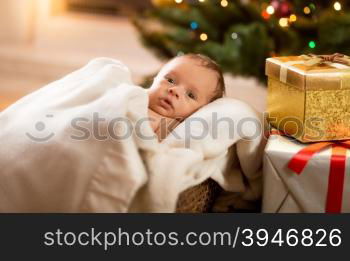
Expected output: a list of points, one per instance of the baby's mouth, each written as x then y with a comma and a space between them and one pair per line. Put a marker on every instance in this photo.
166, 103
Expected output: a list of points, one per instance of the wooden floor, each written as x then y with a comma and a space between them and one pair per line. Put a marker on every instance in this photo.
65, 44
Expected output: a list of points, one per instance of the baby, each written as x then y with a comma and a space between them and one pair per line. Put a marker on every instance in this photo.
182, 86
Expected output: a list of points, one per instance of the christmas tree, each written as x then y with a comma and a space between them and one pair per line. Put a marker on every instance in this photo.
241, 34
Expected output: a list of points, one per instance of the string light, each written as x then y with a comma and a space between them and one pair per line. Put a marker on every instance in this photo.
265, 15
178, 1
337, 6
224, 3
270, 10
234, 36
312, 44
194, 25
203, 37
312, 6
283, 22
307, 10
292, 18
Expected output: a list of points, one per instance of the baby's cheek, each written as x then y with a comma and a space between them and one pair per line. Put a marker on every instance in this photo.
193, 109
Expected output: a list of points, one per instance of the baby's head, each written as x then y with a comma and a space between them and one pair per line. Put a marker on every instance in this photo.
185, 84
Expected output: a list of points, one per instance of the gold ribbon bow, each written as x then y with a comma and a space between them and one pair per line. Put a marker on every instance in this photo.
313, 59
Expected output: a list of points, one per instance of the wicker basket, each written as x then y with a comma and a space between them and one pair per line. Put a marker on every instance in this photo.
198, 199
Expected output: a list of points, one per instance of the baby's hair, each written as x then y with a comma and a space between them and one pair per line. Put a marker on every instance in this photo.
212, 65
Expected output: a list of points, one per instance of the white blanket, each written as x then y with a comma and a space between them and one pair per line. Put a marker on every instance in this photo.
82, 144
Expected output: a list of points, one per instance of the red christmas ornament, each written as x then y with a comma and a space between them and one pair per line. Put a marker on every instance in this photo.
275, 4
285, 9
282, 8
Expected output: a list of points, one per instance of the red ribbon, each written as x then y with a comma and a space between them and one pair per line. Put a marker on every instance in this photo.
336, 171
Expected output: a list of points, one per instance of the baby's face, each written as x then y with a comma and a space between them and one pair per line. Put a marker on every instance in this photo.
181, 87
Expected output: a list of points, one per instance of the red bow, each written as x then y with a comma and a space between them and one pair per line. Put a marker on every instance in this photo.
336, 172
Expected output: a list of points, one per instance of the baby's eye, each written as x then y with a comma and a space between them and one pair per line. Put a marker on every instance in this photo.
170, 80
191, 95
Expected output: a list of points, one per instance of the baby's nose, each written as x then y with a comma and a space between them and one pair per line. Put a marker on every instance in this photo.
174, 91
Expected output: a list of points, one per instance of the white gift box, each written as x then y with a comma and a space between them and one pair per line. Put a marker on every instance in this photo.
284, 191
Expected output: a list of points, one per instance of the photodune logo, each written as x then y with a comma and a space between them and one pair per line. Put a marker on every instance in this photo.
40, 134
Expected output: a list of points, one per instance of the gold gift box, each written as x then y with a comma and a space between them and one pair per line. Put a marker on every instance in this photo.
309, 102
